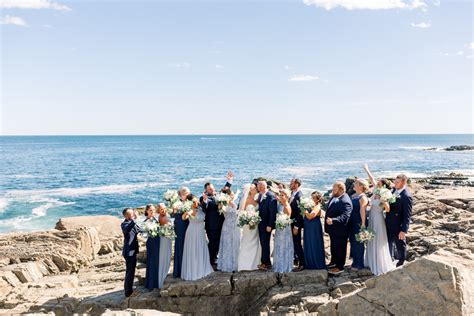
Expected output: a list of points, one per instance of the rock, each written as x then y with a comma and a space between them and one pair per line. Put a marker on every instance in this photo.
216, 284
329, 308
305, 276
106, 225
26, 272
441, 283
312, 303
459, 148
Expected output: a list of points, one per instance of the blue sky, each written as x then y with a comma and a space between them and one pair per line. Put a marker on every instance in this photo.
236, 67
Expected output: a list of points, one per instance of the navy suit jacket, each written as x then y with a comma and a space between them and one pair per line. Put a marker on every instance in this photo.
267, 209
130, 232
340, 212
398, 219
213, 220
295, 211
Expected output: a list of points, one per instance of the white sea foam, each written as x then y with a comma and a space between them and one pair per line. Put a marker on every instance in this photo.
50, 203
202, 180
3, 204
415, 147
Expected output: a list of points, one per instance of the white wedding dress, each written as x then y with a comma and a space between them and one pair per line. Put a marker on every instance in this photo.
250, 250
377, 254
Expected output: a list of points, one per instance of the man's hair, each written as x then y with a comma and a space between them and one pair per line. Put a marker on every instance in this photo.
125, 210
340, 185
206, 185
297, 181
403, 177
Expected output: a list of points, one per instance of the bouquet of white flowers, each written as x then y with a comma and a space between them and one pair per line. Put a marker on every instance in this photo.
282, 221
306, 204
385, 195
364, 235
171, 200
222, 201
167, 231
249, 217
151, 227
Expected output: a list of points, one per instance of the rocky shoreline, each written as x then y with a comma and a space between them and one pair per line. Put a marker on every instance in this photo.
77, 268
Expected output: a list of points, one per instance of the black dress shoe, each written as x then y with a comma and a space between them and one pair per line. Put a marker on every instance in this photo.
331, 265
400, 263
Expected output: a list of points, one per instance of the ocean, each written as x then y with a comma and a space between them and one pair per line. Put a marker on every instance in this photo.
43, 178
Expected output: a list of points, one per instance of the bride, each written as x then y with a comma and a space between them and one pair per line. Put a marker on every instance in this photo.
250, 249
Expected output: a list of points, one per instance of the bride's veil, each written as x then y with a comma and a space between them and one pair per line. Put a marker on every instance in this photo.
243, 198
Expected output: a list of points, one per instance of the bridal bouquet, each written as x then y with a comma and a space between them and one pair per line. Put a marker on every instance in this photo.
306, 204
185, 207
282, 221
171, 200
249, 217
152, 228
167, 231
385, 195
222, 201
365, 234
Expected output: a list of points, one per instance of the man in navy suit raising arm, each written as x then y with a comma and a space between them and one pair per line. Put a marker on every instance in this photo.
130, 250
398, 219
336, 225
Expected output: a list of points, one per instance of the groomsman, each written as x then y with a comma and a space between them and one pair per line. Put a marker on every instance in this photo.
398, 219
298, 222
130, 232
213, 220
267, 209
336, 225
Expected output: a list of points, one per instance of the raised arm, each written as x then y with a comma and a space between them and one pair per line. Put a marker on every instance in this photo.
369, 174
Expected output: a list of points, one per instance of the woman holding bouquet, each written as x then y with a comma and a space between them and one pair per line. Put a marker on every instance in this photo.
165, 248
180, 227
152, 249
230, 235
313, 236
196, 263
357, 221
283, 252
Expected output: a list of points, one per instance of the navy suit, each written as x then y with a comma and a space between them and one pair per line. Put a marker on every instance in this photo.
340, 212
267, 210
130, 250
213, 224
398, 220
298, 221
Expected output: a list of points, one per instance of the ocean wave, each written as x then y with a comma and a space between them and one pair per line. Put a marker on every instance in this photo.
209, 138
20, 176
201, 180
74, 192
3, 204
51, 203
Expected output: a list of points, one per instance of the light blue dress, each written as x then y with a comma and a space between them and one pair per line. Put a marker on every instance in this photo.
164, 259
283, 251
196, 262
230, 242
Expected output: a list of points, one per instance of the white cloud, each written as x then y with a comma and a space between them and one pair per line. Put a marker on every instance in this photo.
303, 78
13, 20
367, 4
422, 25
287, 67
437, 3
471, 46
182, 64
219, 66
459, 53
32, 4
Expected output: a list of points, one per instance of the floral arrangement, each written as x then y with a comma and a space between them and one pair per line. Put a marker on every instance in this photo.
172, 201
222, 201
306, 204
282, 221
167, 231
151, 227
365, 234
249, 217
386, 196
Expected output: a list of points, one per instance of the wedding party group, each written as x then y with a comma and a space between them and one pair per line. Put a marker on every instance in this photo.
271, 227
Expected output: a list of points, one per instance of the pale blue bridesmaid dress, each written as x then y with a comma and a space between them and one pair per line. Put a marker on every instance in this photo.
230, 242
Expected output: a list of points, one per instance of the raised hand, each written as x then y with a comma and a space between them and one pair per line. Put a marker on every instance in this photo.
366, 167
230, 176
204, 197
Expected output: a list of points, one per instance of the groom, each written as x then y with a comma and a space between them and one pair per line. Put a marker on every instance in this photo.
398, 219
213, 220
267, 209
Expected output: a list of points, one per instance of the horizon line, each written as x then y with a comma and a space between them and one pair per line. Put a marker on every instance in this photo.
237, 134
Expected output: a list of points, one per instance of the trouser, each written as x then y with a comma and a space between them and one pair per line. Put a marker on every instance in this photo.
338, 251
265, 243
130, 263
401, 247
214, 237
298, 247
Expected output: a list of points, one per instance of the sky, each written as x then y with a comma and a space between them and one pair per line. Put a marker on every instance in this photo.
236, 67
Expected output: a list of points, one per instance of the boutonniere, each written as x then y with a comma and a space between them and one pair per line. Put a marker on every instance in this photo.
335, 200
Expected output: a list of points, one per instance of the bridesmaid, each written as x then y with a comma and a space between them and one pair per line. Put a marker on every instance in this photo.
313, 236
230, 238
165, 248
152, 252
180, 227
356, 221
196, 262
283, 253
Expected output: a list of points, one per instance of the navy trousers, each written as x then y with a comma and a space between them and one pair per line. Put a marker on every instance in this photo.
131, 263
265, 243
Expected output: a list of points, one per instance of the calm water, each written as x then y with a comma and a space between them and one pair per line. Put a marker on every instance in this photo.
44, 178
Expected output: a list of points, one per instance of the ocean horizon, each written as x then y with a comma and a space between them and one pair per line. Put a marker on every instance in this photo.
44, 178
